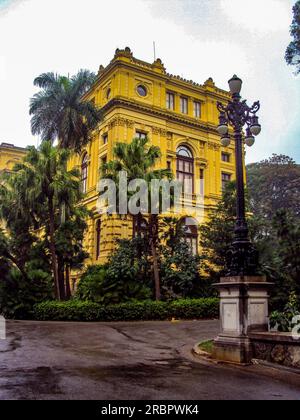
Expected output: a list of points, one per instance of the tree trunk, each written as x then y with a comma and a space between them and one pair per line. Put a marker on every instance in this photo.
153, 242
68, 288
19, 267
52, 248
61, 277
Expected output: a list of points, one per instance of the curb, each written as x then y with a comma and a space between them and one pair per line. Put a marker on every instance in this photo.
257, 367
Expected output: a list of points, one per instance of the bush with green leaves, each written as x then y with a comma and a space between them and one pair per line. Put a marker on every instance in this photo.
132, 311
90, 286
19, 295
125, 277
285, 321
180, 270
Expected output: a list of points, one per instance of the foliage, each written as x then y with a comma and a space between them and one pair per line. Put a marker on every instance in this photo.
292, 54
90, 285
179, 268
39, 204
274, 184
207, 346
124, 278
285, 321
216, 235
274, 189
128, 273
58, 111
18, 296
137, 311
275, 233
138, 159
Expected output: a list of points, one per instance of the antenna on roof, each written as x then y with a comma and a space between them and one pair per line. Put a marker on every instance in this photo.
154, 50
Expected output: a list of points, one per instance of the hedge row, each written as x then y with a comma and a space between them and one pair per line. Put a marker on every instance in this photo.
205, 308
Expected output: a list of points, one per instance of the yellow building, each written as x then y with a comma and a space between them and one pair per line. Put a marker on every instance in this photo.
10, 155
177, 115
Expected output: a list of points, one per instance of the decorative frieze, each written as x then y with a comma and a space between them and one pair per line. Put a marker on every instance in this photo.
159, 131
213, 146
121, 122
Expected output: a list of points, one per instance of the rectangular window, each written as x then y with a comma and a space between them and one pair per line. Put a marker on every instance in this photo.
225, 179
201, 181
98, 238
168, 165
170, 101
197, 109
105, 138
225, 157
184, 105
140, 134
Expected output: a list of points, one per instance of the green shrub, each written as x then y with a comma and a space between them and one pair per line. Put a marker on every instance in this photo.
90, 286
134, 311
285, 321
121, 280
18, 296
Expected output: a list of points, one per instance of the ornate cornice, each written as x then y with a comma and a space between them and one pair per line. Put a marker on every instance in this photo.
164, 114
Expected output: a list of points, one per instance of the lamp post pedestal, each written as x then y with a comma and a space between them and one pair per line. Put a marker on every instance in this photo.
243, 309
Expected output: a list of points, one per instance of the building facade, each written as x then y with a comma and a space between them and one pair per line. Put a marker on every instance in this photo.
9, 156
177, 115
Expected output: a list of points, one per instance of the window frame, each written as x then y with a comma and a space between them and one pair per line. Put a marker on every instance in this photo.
197, 109
227, 155
191, 238
225, 181
98, 238
170, 104
184, 109
144, 88
84, 172
181, 175
140, 134
105, 138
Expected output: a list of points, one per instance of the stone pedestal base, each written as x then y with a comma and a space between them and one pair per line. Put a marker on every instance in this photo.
233, 349
243, 309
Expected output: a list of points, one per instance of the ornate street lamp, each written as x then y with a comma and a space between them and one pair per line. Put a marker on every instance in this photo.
242, 256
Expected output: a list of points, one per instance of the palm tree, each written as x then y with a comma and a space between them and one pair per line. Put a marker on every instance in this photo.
59, 113
138, 160
46, 182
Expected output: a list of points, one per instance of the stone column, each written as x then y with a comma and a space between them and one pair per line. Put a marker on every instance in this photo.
243, 309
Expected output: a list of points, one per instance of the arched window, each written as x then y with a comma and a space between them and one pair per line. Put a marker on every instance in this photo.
98, 238
190, 232
84, 173
185, 169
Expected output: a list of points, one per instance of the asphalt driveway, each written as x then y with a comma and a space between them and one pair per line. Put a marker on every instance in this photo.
136, 360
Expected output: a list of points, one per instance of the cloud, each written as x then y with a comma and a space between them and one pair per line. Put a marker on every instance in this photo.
194, 38
7, 5
260, 17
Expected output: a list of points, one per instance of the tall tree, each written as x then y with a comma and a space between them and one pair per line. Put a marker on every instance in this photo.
292, 54
45, 184
274, 184
59, 113
138, 159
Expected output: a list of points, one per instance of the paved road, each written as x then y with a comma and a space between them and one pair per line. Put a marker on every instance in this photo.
146, 360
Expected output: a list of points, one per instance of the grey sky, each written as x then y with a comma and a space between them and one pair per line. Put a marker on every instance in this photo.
195, 38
